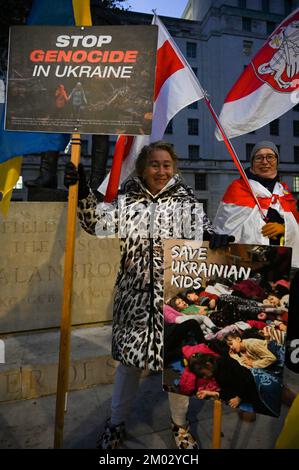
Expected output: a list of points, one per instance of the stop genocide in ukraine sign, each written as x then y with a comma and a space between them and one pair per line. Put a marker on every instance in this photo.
97, 80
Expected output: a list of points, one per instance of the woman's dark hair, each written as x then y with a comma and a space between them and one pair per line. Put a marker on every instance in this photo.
197, 362
252, 333
218, 346
146, 151
232, 334
190, 291
172, 301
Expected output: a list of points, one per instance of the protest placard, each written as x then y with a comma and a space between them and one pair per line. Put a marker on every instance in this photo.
97, 80
225, 319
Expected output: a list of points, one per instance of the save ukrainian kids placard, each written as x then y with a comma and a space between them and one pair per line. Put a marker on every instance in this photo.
225, 321
97, 80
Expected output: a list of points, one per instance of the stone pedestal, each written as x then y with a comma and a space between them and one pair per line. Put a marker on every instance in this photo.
32, 241
31, 362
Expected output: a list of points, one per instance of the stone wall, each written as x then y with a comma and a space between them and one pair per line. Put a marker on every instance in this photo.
32, 239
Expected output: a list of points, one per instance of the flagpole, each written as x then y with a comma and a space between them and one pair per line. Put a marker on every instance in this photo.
233, 153
217, 419
216, 119
66, 320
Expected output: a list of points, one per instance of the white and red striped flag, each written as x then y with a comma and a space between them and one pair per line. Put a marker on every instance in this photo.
176, 86
267, 87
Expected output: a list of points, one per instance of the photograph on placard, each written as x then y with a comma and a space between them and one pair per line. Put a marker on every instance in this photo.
225, 323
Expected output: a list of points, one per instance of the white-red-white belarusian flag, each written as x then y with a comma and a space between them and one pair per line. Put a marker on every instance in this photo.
267, 87
176, 86
238, 214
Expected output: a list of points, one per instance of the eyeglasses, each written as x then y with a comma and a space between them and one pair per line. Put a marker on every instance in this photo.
270, 157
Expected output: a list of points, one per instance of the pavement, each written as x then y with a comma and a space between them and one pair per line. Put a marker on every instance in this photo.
29, 424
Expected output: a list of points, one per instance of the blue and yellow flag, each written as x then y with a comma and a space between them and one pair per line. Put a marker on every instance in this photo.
13, 144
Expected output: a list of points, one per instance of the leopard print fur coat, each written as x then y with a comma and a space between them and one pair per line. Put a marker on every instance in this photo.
142, 222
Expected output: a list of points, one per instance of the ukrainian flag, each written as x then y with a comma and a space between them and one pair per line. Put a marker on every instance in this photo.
13, 144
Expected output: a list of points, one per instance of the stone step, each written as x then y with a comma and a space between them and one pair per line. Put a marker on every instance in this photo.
47, 194
31, 362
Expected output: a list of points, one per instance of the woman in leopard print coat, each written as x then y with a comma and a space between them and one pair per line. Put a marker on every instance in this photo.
138, 303
154, 206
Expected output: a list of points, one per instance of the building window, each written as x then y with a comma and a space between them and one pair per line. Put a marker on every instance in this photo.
193, 105
246, 24
191, 50
195, 70
296, 154
247, 47
249, 148
265, 6
193, 126
204, 203
19, 183
242, 4
193, 152
169, 128
274, 127
288, 6
296, 128
296, 184
270, 27
111, 149
200, 180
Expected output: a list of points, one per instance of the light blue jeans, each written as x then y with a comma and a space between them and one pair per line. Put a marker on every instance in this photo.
125, 389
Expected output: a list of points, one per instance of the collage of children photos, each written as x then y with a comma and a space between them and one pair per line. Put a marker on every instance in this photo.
225, 323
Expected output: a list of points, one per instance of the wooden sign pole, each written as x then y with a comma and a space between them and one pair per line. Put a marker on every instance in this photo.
66, 320
216, 439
